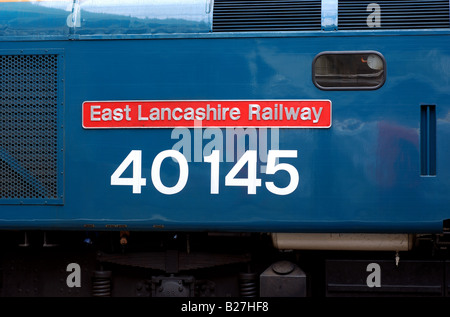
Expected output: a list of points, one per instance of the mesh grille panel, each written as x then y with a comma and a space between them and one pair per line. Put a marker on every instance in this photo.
28, 126
395, 14
266, 15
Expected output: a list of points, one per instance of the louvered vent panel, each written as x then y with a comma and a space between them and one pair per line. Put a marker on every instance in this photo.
29, 151
395, 14
266, 16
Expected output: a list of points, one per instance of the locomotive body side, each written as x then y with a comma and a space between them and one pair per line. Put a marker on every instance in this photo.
121, 121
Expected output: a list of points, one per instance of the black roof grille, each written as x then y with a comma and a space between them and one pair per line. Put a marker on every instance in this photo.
394, 14
266, 15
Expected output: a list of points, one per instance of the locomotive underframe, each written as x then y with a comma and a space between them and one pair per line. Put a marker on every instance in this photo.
201, 264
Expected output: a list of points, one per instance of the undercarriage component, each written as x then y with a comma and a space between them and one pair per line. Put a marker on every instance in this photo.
343, 241
101, 284
172, 286
172, 261
283, 279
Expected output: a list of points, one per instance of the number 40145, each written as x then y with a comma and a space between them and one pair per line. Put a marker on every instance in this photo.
249, 158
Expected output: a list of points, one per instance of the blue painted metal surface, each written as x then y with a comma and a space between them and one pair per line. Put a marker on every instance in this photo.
70, 19
360, 175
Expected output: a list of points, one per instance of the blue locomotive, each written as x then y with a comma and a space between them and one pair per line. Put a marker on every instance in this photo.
224, 148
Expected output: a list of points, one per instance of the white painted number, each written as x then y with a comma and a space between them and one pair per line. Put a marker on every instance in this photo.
135, 158
214, 159
156, 168
272, 168
251, 181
